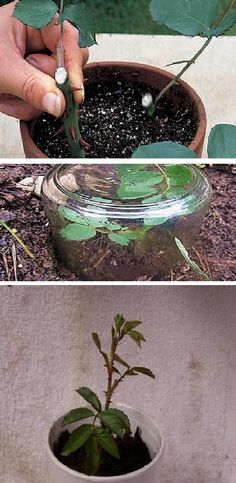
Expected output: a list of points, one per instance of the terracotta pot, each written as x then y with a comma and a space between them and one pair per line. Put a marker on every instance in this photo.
151, 433
140, 73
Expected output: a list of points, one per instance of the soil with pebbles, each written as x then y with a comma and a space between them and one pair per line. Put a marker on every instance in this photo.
214, 250
114, 123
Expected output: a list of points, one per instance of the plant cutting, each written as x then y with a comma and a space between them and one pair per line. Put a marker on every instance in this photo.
126, 105
119, 222
101, 439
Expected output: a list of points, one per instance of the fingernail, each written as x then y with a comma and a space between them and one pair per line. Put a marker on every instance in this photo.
32, 61
52, 104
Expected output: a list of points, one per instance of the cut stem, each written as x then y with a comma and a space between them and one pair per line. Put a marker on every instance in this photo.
178, 76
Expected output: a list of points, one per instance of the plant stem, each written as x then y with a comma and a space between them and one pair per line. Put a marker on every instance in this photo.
27, 251
178, 76
71, 123
109, 391
162, 171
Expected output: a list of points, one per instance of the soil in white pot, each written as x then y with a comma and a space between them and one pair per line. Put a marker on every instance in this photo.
134, 455
114, 123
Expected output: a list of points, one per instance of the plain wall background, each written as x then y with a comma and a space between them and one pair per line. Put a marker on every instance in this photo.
46, 353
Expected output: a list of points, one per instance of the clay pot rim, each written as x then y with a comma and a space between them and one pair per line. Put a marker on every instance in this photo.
201, 130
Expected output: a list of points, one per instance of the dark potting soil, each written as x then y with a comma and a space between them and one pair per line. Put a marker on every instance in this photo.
214, 250
134, 455
114, 123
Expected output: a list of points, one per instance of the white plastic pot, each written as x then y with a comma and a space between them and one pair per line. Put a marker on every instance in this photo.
151, 435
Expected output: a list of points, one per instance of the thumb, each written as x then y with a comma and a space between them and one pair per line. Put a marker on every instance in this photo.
33, 86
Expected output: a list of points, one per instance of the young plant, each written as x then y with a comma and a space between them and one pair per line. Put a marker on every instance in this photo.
221, 144
107, 423
38, 14
205, 18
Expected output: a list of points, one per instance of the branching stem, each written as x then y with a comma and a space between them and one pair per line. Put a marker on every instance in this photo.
178, 76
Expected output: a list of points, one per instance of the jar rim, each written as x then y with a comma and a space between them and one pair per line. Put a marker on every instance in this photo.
195, 195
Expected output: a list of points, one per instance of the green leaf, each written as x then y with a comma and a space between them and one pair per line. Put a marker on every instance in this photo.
226, 17
77, 415
76, 232
137, 337
93, 456
130, 191
188, 17
145, 371
90, 397
112, 422
191, 263
119, 321
96, 340
222, 141
152, 199
127, 168
107, 442
82, 17
154, 221
175, 192
122, 417
77, 439
119, 238
163, 150
35, 13
150, 178
72, 215
117, 358
178, 174
112, 226
129, 325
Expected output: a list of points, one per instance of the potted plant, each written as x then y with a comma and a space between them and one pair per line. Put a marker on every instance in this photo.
107, 442
147, 97
119, 222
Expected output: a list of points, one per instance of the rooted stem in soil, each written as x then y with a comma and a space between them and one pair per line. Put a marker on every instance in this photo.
178, 76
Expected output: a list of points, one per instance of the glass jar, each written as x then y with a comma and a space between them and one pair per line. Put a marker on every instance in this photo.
118, 222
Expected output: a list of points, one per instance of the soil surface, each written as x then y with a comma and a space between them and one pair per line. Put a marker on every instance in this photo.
114, 123
214, 250
134, 455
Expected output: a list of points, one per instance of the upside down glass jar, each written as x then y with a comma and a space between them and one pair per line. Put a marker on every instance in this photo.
118, 222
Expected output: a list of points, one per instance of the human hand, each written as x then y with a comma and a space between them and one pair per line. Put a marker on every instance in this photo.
27, 85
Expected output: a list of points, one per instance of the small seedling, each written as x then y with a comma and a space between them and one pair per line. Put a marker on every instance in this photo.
107, 423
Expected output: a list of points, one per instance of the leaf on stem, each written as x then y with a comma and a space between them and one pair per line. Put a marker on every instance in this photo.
137, 337
90, 397
77, 232
97, 341
145, 371
121, 361
119, 321
121, 416
107, 442
93, 456
77, 439
129, 325
35, 13
77, 415
112, 422
82, 17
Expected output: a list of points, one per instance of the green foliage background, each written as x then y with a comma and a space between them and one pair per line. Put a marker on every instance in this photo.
126, 16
